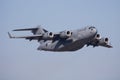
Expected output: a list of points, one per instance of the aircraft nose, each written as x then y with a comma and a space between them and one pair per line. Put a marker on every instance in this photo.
93, 29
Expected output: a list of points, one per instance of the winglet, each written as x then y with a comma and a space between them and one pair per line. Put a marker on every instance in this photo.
109, 46
10, 36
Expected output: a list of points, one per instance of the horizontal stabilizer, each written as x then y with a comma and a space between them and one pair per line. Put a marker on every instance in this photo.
26, 29
27, 37
30, 37
37, 30
10, 36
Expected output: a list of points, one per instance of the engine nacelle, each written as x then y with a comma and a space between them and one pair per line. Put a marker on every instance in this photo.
97, 36
106, 40
103, 41
100, 42
65, 34
48, 35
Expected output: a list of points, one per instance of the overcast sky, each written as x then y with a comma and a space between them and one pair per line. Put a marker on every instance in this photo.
20, 59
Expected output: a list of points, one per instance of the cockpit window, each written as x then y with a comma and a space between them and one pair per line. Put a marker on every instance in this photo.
91, 27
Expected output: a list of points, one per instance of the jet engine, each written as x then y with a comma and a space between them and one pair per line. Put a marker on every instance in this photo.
97, 36
106, 40
103, 41
65, 34
95, 41
48, 35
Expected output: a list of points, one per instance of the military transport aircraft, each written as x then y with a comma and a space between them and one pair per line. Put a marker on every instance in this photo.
67, 40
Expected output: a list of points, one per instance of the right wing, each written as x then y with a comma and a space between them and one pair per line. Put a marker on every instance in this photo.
97, 41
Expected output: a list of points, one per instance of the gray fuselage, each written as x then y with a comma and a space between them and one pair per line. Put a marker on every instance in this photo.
76, 41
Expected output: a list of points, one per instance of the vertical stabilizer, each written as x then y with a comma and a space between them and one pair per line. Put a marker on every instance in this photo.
39, 30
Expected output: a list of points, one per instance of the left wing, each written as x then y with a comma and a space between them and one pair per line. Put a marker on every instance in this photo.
97, 41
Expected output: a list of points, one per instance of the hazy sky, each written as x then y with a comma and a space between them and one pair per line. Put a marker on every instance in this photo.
20, 60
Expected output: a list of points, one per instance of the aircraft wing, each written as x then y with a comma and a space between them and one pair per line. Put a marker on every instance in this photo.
99, 42
108, 46
104, 42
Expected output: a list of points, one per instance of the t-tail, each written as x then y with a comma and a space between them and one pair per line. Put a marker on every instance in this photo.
38, 34
36, 31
